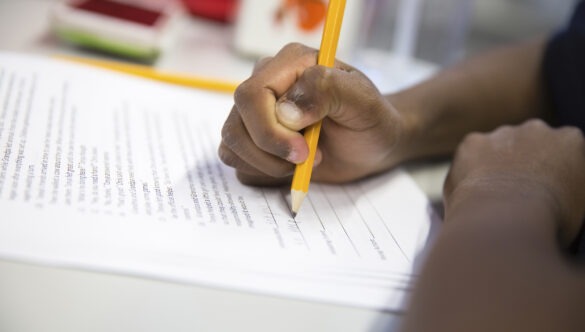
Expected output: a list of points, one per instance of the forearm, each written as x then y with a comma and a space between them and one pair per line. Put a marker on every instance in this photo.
497, 266
500, 87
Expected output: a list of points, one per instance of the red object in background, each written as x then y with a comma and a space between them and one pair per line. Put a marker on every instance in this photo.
219, 10
120, 10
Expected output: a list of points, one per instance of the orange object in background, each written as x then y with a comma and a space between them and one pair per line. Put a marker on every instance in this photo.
263, 27
310, 13
218, 10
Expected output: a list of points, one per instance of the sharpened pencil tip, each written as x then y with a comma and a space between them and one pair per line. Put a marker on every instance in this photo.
297, 197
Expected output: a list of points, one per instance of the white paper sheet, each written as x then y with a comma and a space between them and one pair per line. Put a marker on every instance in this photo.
107, 172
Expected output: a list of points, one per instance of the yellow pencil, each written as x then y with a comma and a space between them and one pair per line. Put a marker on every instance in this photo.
154, 74
302, 174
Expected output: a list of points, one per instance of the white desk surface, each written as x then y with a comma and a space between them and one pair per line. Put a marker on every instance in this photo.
49, 299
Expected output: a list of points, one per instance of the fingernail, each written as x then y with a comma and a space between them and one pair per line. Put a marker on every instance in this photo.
318, 158
293, 157
299, 151
288, 113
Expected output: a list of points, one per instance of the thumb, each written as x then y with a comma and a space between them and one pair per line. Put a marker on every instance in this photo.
309, 100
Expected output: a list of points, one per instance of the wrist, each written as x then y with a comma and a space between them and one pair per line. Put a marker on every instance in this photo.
422, 135
515, 198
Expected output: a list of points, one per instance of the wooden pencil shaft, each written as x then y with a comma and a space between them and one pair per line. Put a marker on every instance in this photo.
327, 51
304, 170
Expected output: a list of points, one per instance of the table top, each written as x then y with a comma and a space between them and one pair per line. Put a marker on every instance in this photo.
39, 298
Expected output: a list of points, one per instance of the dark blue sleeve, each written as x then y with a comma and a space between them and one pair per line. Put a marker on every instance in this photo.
564, 79
564, 71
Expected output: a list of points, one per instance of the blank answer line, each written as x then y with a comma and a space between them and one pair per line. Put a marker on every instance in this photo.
269, 208
384, 223
316, 214
339, 220
358, 211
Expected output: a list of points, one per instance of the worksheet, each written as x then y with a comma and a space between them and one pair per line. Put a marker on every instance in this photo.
108, 172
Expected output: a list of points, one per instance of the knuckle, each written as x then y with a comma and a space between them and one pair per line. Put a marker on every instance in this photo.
278, 173
228, 138
309, 90
571, 131
503, 130
448, 185
300, 53
227, 128
259, 179
241, 92
244, 92
279, 169
573, 135
472, 138
322, 77
269, 141
296, 48
227, 156
261, 63
533, 125
469, 145
451, 182
247, 179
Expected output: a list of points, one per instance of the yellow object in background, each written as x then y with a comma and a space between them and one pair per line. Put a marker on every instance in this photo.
151, 73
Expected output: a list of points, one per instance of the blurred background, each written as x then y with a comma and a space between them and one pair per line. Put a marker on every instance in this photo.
451, 29
436, 31
442, 31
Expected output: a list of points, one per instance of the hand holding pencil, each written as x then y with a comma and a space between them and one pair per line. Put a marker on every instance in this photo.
261, 139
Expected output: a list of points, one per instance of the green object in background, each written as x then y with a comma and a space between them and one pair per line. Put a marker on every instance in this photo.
96, 42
